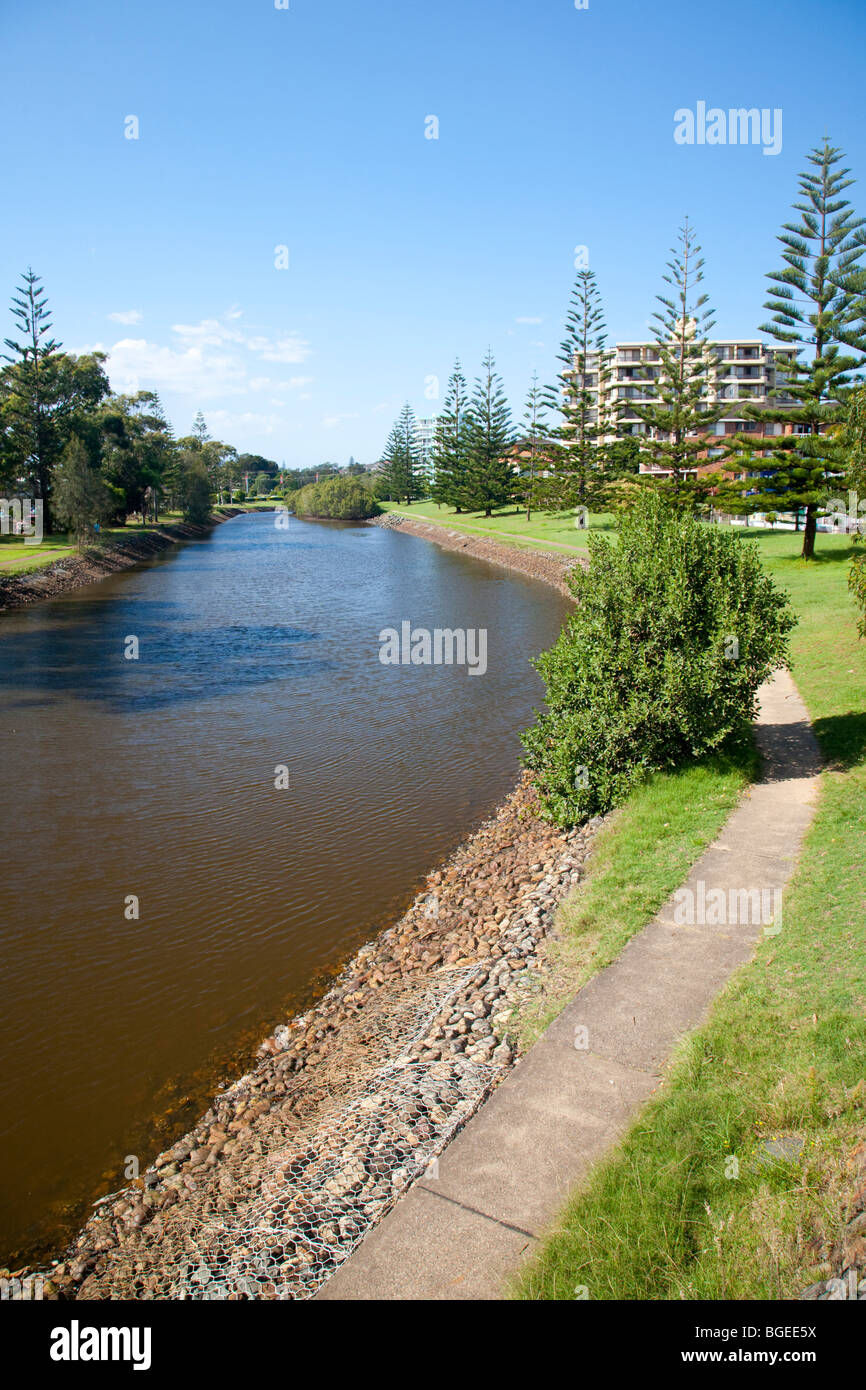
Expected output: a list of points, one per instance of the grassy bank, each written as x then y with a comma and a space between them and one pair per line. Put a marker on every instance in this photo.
556, 532
18, 558
693, 1204
641, 855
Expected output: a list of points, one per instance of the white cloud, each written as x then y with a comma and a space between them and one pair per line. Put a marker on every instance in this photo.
227, 421
331, 422
206, 360
269, 383
128, 316
292, 349
134, 364
207, 333
214, 333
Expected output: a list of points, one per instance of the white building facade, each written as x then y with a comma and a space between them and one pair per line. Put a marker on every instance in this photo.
425, 435
741, 370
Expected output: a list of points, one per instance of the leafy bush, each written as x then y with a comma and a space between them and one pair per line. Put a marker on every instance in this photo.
675, 629
344, 499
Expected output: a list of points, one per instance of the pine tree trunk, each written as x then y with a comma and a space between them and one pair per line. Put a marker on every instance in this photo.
809, 532
47, 514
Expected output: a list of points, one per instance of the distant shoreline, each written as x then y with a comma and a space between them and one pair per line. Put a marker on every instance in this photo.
98, 562
548, 566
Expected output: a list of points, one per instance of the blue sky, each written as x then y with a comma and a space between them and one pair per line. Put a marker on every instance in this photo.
305, 128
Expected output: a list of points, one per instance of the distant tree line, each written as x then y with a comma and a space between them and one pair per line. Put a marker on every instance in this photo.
95, 457
480, 461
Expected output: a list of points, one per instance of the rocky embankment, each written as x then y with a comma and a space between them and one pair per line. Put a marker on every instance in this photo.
352, 1101
99, 561
545, 565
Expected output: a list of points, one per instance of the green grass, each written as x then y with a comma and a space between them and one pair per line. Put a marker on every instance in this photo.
18, 558
554, 532
640, 856
782, 1054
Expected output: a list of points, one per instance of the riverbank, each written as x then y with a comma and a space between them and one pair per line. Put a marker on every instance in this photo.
351, 1102
548, 566
79, 568
414, 1033
503, 1180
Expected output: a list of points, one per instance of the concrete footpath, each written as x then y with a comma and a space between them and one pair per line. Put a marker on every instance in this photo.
504, 1178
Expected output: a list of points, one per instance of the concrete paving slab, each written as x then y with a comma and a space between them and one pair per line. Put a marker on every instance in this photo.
430, 1248
562, 1106
634, 1014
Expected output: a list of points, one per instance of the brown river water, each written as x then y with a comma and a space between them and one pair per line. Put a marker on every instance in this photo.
154, 777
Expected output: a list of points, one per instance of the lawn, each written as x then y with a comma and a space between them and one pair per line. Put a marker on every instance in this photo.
555, 532
18, 558
692, 1204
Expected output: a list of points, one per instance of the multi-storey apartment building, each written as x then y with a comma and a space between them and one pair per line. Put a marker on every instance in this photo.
425, 434
742, 370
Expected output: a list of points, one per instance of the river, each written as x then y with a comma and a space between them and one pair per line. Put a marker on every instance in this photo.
164, 903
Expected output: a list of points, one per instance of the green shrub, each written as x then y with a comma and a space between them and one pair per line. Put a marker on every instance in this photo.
343, 499
675, 629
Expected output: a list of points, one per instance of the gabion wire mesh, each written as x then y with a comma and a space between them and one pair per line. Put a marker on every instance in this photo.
317, 1195
316, 1205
